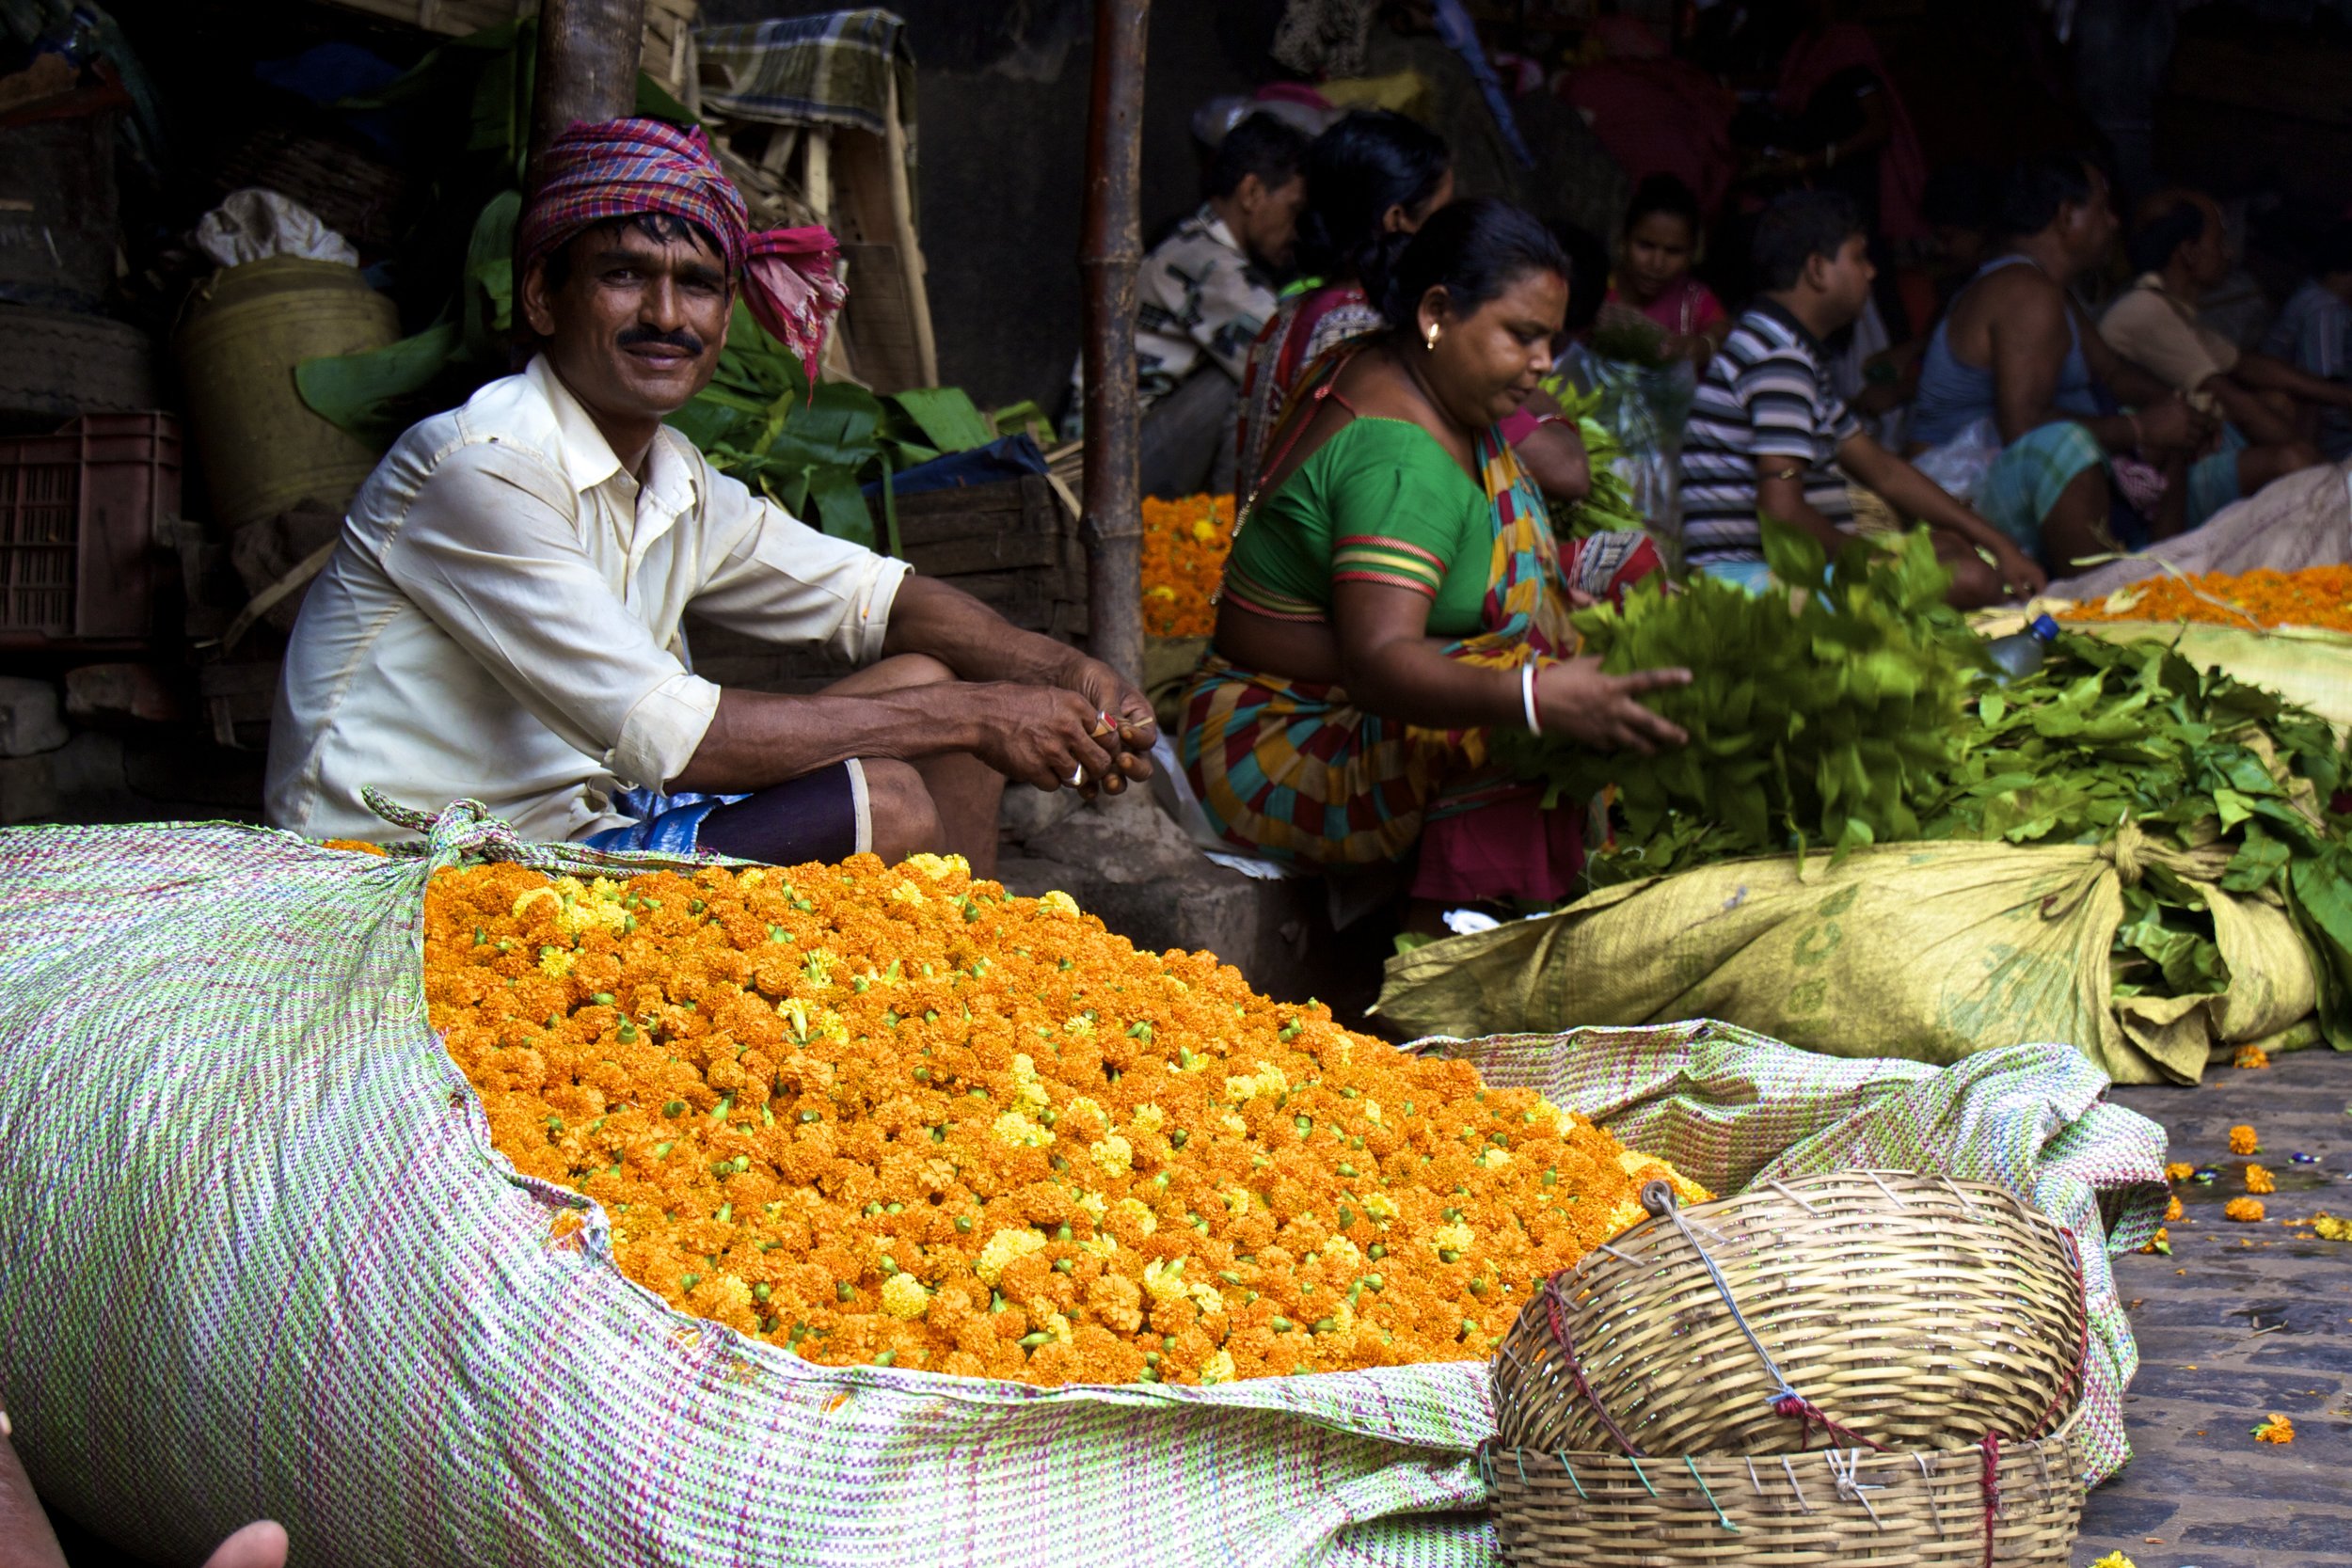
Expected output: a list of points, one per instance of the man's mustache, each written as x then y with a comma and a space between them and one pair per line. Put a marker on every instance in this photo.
684, 341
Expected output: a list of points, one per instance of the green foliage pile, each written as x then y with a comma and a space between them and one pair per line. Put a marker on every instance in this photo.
1608, 508
1865, 712
1817, 719
810, 450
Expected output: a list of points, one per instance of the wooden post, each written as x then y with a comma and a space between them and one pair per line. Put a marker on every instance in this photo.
1111, 251
586, 67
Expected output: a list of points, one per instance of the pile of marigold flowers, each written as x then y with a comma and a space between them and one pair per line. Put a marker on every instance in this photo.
1185, 546
2315, 596
892, 1115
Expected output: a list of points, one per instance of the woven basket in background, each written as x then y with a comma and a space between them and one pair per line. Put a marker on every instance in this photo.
1915, 1311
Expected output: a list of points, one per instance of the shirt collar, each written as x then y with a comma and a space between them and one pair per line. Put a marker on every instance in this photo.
588, 459
1766, 305
1215, 228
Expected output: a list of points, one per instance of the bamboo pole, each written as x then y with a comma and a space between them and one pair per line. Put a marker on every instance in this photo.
1107, 258
585, 67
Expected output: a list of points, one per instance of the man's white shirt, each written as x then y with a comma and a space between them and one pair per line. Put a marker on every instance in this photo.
502, 620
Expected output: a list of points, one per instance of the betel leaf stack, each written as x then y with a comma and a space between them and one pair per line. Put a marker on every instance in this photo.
1819, 717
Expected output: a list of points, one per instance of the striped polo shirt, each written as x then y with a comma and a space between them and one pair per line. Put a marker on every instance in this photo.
1765, 394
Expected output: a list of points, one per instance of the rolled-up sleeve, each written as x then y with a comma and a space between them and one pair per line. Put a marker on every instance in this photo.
489, 552
778, 579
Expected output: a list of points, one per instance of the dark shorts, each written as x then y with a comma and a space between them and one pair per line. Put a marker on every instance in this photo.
818, 816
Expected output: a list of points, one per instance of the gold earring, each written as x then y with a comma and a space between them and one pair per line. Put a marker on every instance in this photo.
1429, 339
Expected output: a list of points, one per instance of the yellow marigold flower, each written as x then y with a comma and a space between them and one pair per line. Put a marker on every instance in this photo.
1164, 1279
1115, 1154
1029, 1093
1044, 1314
2275, 1430
906, 893
2179, 1170
2331, 1229
1232, 1124
1020, 1132
1372, 1112
1237, 1200
1344, 1318
2243, 1141
1342, 1254
1095, 1205
1060, 903
1206, 1298
1380, 1206
1494, 1159
2259, 1180
1141, 1214
721, 1295
938, 866
1218, 1368
1147, 1118
904, 1296
1078, 1025
1099, 1246
1003, 1248
557, 961
2246, 1210
1456, 1237
2115, 1559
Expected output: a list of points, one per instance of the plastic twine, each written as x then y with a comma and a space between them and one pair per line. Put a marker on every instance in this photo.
1659, 1199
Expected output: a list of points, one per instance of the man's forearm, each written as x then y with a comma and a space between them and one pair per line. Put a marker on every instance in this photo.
1913, 494
1790, 506
2260, 422
2263, 371
929, 617
758, 738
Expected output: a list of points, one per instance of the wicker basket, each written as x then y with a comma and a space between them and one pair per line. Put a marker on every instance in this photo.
1826, 1509
1912, 1312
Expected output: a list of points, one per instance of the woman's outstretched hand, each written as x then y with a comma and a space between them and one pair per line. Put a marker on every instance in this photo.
1578, 703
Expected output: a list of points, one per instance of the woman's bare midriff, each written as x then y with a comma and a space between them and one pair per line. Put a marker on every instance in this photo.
1291, 650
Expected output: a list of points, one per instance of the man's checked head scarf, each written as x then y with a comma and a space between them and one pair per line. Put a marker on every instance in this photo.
619, 168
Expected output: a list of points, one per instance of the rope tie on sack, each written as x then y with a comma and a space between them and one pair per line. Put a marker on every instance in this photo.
1659, 1199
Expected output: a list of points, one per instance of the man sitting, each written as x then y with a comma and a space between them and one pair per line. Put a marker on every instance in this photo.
2180, 252
1205, 291
2313, 333
1769, 437
2015, 367
501, 619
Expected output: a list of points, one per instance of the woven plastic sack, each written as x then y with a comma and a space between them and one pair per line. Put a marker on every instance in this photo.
1929, 952
2302, 521
258, 1259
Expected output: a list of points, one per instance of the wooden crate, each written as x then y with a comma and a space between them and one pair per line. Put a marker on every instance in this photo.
1012, 546
669, 55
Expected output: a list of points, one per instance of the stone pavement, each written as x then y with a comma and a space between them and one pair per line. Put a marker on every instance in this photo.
2241, 1321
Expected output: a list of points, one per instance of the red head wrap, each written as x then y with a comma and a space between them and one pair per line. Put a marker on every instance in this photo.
618, 168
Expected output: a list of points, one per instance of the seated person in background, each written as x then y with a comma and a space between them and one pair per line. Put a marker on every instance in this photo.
1769, 437
2015, 364
2180, 251
2313, 333
501, 619
1373, 179
1396, 594
1204, 294
1653, 282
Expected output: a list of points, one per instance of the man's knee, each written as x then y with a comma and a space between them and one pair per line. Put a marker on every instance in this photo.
903, 817
1973, 583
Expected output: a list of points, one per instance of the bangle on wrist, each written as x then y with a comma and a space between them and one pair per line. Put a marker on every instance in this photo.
1527, 697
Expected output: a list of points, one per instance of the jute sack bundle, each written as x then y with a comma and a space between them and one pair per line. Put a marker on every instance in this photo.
259, 1259
1929, 952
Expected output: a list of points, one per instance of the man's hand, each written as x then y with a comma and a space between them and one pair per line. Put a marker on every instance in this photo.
260, 1544
2020, 574
1579, 703
1131, 726
2172, 425
1040, 735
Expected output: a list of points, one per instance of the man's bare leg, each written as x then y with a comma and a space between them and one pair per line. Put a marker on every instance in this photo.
2076, 526
965, 791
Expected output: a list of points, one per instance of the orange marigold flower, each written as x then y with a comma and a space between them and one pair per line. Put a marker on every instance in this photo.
895, 1116
2246, 1210
2161, 1242
2259, 1180
2314, 597
2173, 1212
2243, 1141
2179, 1170
354, 845
2251, 1056
2275, 1430
1185, 546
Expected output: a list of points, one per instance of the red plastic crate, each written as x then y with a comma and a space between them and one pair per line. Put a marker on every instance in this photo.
80, 516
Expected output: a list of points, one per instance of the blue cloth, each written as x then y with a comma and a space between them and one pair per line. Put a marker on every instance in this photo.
1007, 457
666, 824
1953, 396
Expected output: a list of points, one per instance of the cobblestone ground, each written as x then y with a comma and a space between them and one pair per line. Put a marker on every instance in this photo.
2239, 1322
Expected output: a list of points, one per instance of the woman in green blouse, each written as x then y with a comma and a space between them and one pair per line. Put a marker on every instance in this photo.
1394, 593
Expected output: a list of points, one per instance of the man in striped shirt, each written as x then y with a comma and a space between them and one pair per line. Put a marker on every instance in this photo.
1768, 436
